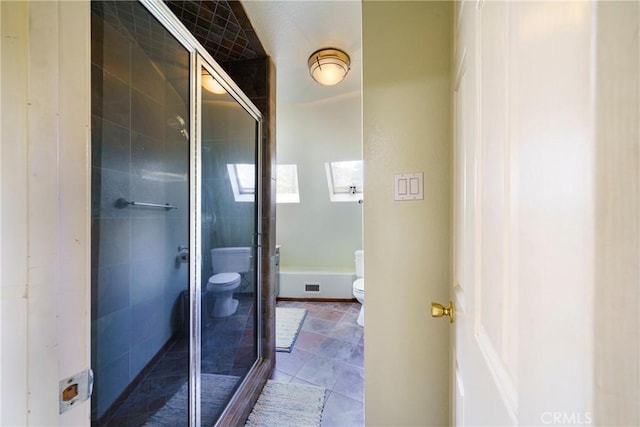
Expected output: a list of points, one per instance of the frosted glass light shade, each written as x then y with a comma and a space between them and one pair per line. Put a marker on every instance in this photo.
329, 66
212, 85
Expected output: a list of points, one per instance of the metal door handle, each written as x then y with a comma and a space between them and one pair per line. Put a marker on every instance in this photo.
438, 310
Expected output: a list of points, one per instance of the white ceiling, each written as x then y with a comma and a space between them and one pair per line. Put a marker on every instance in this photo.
291, 30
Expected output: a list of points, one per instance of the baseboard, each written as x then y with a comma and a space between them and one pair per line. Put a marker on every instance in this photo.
315, 284
317, 299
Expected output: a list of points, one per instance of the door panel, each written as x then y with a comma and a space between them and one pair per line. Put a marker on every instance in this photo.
523, 200
484, 388
496, 323
227, 244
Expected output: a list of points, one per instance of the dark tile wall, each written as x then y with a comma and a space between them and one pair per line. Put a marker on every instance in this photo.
222, 27
138, 155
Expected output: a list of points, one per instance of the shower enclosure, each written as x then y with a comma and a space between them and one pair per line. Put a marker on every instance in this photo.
175, 168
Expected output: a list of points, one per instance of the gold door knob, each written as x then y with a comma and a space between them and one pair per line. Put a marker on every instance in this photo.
438, 310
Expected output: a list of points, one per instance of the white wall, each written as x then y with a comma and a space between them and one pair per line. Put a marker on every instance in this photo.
44, 200
407, 128
317, 234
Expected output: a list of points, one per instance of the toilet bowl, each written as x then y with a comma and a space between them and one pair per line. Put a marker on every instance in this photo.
227, 264
358, 293
358, 285
222, 286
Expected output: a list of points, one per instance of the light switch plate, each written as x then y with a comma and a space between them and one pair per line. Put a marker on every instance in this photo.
409, 186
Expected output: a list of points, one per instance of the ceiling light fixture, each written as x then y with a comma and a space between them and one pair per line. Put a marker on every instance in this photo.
211, 84
329, 66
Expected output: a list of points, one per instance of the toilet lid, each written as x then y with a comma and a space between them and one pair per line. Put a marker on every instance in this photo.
224, 278
359, 285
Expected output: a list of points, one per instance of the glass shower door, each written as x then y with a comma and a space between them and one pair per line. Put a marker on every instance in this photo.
141, 99
228, 220
175, 224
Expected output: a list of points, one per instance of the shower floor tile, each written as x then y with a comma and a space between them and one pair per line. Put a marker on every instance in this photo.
227, 349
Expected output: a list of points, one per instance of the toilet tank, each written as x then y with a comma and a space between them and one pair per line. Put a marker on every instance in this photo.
230, 260
359, 263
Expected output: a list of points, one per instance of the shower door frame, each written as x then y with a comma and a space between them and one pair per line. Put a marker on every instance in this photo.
199, 58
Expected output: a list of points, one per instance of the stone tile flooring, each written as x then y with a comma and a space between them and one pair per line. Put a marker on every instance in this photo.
329, 353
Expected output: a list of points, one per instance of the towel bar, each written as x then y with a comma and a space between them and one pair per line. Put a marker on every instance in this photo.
122, 203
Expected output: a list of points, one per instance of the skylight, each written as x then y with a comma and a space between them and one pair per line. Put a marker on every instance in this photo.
345, 180
243, 182
246, 178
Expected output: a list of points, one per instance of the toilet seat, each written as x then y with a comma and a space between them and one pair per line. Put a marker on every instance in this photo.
221, 281
358, 285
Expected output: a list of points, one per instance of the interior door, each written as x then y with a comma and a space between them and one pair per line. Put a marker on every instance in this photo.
524, 197
483, 392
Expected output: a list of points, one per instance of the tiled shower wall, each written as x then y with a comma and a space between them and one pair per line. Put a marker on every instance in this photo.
136, 155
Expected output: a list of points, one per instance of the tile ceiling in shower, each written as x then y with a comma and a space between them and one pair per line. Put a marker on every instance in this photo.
222, 27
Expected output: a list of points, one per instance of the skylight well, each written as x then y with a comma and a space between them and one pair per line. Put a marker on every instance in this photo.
287, 190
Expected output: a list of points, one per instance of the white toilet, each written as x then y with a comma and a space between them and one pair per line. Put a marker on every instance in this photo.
227, 265
358, 285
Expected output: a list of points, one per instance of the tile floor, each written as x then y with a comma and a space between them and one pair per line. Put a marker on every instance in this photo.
329, 353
